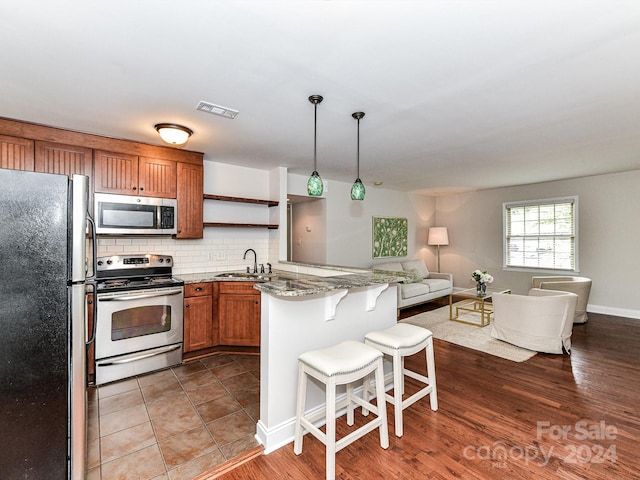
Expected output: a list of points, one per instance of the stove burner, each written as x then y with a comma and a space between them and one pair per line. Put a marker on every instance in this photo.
129, 272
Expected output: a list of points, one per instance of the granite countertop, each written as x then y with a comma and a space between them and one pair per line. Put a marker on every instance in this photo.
226, 276
290, 284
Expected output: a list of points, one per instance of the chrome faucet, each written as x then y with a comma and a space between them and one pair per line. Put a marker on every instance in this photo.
255, 259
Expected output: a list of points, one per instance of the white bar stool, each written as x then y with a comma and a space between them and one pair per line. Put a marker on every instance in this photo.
398, 342
341, 364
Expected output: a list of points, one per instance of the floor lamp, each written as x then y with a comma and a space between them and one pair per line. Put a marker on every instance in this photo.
438, 236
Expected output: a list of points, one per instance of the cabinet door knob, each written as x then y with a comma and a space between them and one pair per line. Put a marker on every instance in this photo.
187, 306
133, 188
198, 289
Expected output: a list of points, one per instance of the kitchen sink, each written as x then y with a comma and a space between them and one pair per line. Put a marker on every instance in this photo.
237, 275
265, 277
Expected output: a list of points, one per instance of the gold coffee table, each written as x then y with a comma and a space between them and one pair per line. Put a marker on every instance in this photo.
476, 304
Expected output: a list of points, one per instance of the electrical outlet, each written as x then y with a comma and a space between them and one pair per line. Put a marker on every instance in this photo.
221, 256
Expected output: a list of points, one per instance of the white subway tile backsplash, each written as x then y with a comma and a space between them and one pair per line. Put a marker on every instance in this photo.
210, 254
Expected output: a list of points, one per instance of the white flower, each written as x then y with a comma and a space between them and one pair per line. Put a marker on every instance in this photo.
481, 277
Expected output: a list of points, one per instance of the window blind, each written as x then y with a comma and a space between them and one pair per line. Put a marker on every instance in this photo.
541, 234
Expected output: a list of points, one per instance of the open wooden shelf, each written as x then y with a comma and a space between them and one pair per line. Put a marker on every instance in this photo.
269, 203
241, 225
222, 198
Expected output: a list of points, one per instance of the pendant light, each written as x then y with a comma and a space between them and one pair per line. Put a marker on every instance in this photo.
357, 190
315, 185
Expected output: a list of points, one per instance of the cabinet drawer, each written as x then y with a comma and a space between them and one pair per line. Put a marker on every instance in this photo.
198, 289
238, 287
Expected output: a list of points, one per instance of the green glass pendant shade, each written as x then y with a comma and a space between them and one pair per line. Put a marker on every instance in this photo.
357, 190
315, 185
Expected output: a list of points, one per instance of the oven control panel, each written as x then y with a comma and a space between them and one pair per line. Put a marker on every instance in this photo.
134, 261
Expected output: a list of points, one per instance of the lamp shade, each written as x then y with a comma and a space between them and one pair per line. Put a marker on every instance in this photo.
438, 236
173, 134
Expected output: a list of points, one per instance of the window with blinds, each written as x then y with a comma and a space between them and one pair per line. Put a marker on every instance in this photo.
541, 234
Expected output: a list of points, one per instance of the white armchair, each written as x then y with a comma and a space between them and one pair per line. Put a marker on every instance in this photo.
581, 286
541, 321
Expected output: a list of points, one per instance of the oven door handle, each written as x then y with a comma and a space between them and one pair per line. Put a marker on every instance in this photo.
124, 298
135, 357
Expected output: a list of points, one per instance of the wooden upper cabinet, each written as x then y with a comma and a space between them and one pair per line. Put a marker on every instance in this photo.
115, 173
157, 178
132, 175
63, 159
16, 153
190, 200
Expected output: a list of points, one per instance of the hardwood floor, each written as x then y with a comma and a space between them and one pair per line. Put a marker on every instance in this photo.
553, 416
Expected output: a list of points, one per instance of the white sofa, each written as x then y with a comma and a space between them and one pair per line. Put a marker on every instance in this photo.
541, 321
423, 286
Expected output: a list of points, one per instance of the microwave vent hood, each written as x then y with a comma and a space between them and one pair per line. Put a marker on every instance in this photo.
131, 215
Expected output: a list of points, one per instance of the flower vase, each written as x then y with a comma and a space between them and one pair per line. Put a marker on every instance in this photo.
481, 289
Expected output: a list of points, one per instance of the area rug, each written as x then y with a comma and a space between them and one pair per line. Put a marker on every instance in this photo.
470, 336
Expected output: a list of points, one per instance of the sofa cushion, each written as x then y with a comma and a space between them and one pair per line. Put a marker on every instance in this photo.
389, 266
415, 276
436, 284
410, 290
418, 265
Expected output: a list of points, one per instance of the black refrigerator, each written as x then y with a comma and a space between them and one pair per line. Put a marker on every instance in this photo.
43, 245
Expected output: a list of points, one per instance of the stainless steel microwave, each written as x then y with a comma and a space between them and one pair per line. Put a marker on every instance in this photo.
129, 215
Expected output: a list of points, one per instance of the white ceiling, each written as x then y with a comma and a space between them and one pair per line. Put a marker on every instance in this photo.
458, 95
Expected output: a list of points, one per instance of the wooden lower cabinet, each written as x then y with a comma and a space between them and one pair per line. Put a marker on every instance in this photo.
198, 316
219, 315
239, 314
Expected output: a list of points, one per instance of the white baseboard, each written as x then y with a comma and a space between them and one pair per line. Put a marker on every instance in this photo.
617, 312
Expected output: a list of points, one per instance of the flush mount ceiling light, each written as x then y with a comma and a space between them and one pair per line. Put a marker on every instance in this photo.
314, 185
173, 133
357, 190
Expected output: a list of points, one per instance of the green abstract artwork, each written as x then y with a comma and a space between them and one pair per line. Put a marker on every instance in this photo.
389, 237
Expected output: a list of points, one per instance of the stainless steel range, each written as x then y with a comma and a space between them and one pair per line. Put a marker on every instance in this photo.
139, 323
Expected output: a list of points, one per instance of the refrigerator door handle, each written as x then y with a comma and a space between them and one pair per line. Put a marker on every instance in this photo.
94, 247
91, 340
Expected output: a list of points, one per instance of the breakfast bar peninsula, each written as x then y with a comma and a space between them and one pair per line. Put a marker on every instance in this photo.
308, 311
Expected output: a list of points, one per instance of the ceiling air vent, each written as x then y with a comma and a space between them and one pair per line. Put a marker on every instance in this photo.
217, 109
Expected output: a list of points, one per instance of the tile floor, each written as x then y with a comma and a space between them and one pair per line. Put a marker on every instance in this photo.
176, 423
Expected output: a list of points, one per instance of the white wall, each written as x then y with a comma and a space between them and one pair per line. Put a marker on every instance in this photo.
309, 232
349, 223
609, 209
